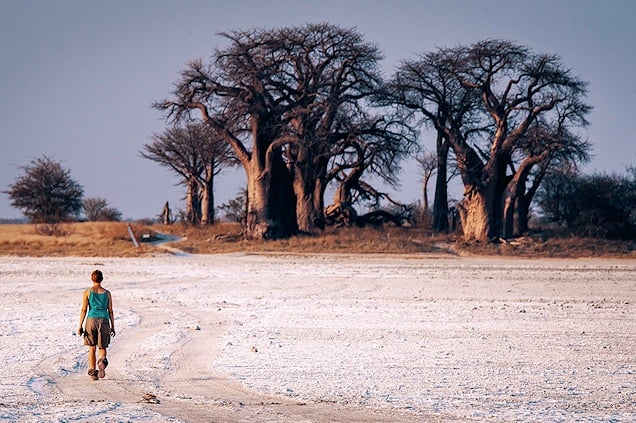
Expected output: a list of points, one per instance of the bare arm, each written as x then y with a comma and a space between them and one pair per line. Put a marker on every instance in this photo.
80, 330
111, 314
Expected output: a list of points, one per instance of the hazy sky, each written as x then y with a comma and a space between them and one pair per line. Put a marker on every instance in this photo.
78, 77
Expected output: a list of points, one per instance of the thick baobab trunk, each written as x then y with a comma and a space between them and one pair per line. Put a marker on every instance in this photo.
309, 203
193, 210
207, 199
479, 208
309, 221
509, 207
474, 216
341, 210
440, 203
270, 203
305, 215
481, 211
258, 224
342, 207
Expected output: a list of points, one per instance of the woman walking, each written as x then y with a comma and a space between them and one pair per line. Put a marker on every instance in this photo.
97, 308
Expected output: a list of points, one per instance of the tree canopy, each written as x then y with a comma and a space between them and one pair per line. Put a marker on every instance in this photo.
295, 105
307, 107
197, 154
504, 111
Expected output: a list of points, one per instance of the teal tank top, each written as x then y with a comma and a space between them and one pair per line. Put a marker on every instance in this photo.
98, 305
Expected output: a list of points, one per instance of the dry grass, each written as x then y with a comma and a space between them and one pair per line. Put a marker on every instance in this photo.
95, 239
111, 239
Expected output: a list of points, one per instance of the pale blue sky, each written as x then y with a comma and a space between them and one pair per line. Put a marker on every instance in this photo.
78, 77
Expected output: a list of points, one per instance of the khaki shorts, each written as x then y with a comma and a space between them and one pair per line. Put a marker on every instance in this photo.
97, 332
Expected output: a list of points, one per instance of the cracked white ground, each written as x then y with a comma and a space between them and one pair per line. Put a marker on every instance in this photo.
324, 338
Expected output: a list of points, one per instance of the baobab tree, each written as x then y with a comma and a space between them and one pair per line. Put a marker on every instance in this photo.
287, 100
197, 155
232, 98
429, 95
482, 100
517, 88
375, 152
373, 149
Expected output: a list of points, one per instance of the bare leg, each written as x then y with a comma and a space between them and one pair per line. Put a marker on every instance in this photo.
91, 358
102, 353
92, 371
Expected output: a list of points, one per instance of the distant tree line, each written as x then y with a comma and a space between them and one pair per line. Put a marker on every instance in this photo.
597, 205
306, 108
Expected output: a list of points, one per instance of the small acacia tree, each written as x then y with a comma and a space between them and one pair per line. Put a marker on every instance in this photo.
46, 193
97, 209
235, 209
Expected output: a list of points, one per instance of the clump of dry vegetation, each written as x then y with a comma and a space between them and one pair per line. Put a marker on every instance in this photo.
550, 247
227, 237
111, 239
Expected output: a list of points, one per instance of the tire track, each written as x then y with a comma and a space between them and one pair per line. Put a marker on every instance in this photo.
187, 389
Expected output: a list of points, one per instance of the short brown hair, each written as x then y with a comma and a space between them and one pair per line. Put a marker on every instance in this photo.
97, 276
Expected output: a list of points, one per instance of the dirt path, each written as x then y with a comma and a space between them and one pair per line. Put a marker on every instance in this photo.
187, 390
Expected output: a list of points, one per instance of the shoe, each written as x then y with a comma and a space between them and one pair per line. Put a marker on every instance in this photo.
93, 374
102, 363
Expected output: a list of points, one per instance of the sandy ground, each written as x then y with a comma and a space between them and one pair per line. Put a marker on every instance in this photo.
324, 338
